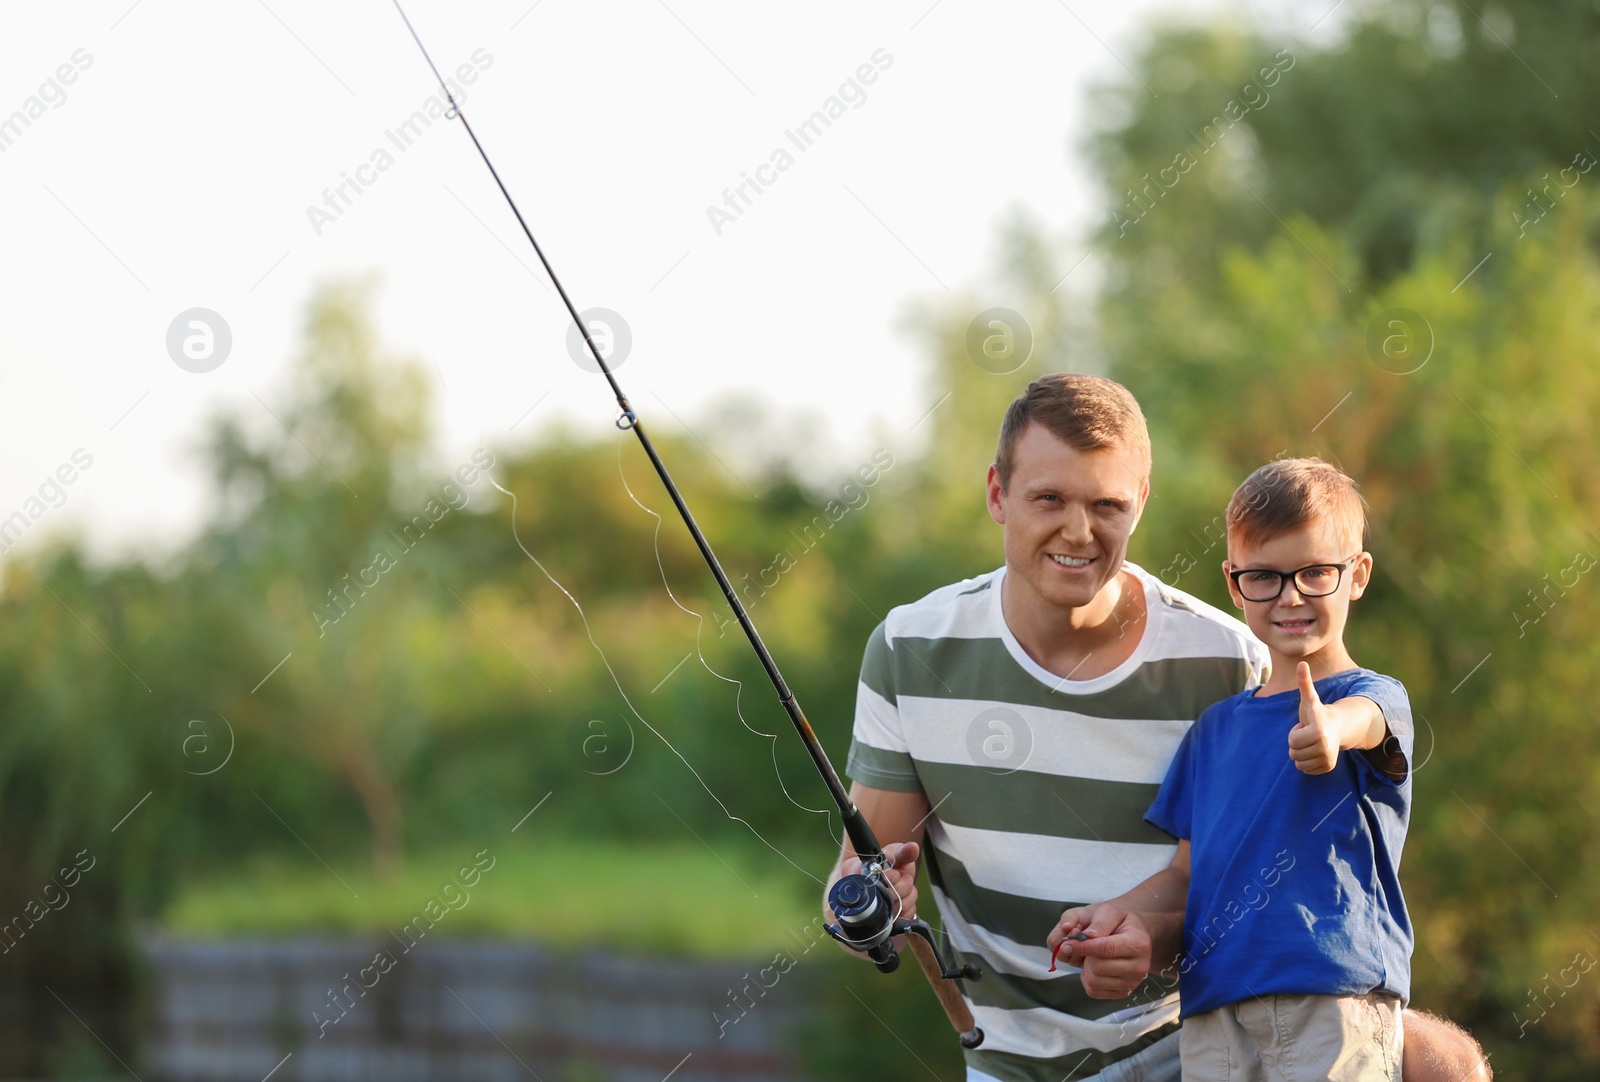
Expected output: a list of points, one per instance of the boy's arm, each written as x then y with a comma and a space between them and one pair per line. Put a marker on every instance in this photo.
1354, 723
1126, 932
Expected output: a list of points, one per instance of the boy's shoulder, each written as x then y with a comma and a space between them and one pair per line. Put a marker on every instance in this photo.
1360, 681
1360, 673
1384, 689
1223, 710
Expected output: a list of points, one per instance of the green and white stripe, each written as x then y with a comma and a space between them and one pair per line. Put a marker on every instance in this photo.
1039, 786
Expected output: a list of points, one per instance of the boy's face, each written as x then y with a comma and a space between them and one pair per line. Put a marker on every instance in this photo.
1067, 515
1292, 625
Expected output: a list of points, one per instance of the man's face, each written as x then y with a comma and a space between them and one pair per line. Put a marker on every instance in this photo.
1293, 625
1067, 515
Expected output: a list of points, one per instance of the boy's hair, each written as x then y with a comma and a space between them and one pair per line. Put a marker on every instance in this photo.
1290, 493
1090, 413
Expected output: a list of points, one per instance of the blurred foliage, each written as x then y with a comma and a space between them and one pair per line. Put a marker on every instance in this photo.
1415, 165
868, 1025
515, 894
423, 703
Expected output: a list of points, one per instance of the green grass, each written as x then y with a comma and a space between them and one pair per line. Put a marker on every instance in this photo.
667, 899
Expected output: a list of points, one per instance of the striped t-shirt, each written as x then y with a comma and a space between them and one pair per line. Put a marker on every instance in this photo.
1039, 786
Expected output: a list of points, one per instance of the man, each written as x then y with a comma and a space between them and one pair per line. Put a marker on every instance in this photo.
1015, 728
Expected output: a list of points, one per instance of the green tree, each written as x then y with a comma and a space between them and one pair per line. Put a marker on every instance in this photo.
1385, 265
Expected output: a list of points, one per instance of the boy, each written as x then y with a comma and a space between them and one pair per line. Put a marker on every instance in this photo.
1296, 942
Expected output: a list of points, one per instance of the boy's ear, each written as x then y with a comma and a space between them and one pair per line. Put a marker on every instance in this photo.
1360, 575
1233, 591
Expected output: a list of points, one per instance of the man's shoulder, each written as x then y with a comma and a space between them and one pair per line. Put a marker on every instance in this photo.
956, 610
1196, 624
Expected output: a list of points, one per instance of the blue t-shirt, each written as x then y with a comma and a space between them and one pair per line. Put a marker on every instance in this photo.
1294, 882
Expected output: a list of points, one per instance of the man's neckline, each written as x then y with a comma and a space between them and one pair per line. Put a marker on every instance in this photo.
1148, 634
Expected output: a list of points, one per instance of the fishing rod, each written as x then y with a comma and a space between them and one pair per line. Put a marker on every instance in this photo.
868, 908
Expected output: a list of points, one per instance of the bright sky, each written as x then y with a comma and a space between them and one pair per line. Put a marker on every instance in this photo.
176, 171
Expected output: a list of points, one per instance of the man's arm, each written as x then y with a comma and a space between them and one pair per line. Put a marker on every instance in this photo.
899, 821
1126, 932
1438, 1050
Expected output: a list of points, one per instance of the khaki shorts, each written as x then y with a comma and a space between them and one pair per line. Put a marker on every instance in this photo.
1295, 1039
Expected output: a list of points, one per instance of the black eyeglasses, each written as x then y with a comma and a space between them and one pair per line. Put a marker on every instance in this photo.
1313, 580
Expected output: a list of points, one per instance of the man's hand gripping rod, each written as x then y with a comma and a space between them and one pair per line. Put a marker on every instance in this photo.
866, 905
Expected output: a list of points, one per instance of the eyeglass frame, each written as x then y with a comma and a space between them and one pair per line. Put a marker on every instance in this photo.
1285, 577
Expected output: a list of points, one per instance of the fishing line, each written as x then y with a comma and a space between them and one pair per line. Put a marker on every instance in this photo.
700, 652
855, 824
515, 536
860, 900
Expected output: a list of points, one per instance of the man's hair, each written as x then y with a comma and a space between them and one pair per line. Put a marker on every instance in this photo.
1090, 413
1288, 494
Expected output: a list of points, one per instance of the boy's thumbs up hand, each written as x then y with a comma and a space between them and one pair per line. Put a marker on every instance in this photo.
1314, 742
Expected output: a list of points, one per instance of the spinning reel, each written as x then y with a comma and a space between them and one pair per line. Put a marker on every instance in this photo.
868, 910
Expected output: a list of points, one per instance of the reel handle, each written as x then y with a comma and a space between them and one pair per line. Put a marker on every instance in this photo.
942, 979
